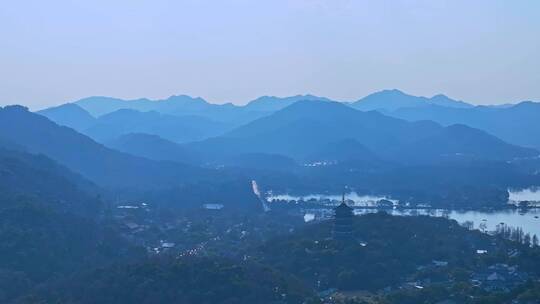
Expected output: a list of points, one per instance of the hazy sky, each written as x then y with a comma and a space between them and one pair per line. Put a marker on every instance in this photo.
482, 51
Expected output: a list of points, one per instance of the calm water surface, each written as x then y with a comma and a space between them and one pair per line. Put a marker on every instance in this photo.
528, 220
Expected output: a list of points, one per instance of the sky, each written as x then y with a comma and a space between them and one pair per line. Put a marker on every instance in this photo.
55, 51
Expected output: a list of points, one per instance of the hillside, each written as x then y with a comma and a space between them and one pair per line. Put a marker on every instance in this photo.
41, 245
124, 121
152, 147
81, 154
36, 178
347, 150
517, 124
182, 280
173, 128
307, 126
70, 115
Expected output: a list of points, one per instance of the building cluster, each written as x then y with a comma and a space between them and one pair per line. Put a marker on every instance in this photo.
499, 277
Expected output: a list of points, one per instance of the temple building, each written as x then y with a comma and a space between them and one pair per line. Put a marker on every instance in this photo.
343, 217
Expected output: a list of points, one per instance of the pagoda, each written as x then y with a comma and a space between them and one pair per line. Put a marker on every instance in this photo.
343, 217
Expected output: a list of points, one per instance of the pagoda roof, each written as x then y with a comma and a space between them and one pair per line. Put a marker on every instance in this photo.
343, 206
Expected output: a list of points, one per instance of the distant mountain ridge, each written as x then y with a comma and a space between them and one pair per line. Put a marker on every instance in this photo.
389, 100
305, 127
125, 121
518, 124
515, 123
385, 100
174, 128
186, 105
179, 105
273, 103
71, 115
100, 105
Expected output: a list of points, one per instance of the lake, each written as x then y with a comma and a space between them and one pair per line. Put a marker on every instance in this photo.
515, 196
529, 220
352, 197
529, 194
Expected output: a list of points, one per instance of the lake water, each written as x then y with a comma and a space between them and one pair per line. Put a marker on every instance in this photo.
529, 194
358, 200
529, 221
514, 197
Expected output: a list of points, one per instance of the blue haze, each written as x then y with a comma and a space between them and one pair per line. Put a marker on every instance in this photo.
57, 51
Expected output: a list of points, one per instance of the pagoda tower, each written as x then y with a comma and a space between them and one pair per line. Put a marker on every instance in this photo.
343, 217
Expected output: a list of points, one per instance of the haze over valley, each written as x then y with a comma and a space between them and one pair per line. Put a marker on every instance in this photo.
316, 145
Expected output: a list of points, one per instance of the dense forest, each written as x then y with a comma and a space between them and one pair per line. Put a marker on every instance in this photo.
178, 280
223, 257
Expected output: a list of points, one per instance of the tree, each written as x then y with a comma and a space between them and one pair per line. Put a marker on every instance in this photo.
527, 240
482, 227
523, 204
469, 225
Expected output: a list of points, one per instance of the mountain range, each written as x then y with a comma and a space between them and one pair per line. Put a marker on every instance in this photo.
182, 118
306, 127
124, 121
188, 149
518, 124
389, 100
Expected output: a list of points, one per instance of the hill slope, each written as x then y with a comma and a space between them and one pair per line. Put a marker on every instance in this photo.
174, 128
81, 154
70, 115
36, 178
152, 147
517, 124
308, 126
182, 280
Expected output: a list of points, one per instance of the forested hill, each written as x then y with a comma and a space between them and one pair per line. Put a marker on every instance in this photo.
103, 166
305, 127
36, 178
199, 280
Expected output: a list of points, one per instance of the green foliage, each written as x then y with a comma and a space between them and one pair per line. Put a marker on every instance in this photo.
40, 179
394, 248
183, 280
39, 244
